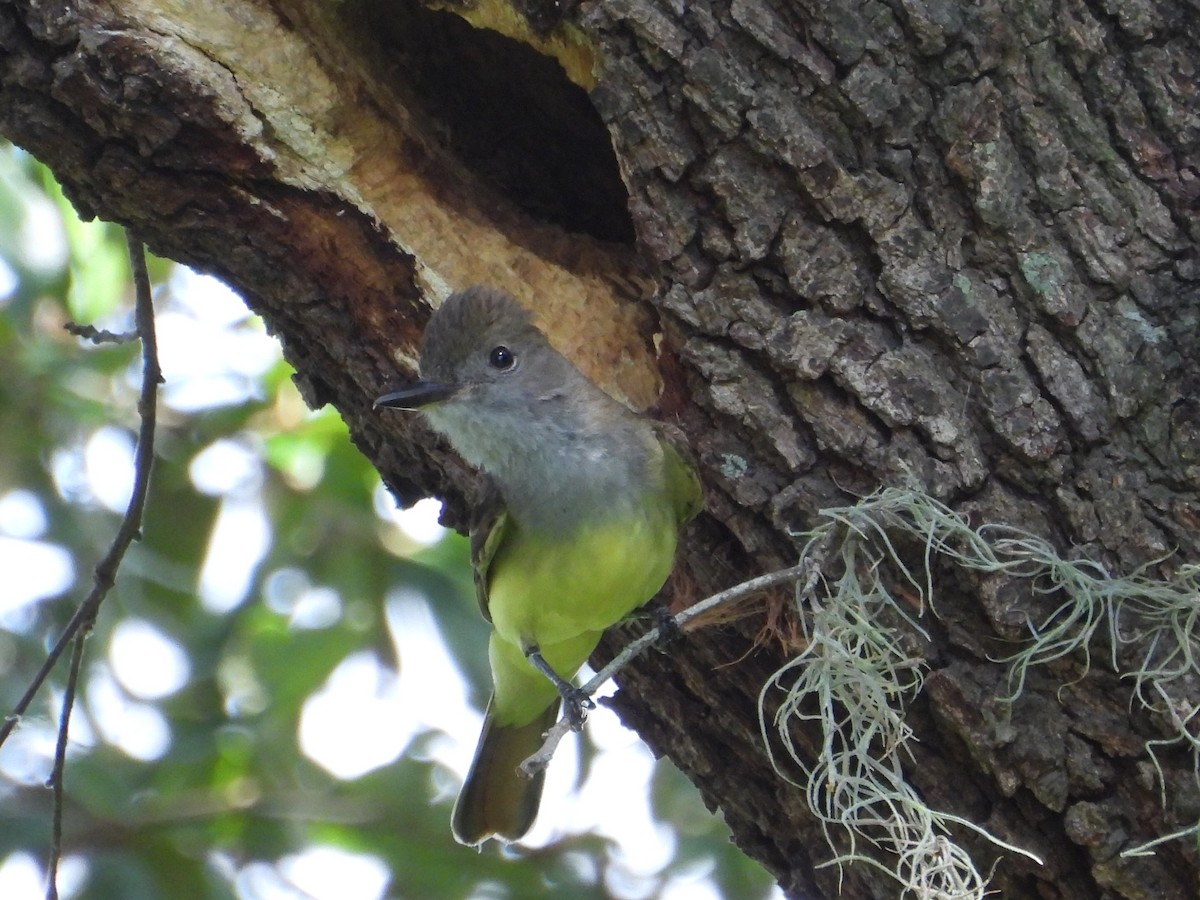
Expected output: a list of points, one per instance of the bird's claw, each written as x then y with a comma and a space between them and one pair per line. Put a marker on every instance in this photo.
575, 704
670, 635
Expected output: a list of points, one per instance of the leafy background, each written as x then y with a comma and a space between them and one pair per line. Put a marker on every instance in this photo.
281, 696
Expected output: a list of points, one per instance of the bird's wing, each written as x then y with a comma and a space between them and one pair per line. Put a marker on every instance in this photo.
679, 463
488, 522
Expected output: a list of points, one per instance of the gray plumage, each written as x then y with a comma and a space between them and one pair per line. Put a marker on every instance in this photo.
537, 426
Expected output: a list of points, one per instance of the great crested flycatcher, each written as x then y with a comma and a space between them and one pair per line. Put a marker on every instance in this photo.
586, 502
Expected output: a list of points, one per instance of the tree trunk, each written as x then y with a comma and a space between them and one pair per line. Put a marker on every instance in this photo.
923, 243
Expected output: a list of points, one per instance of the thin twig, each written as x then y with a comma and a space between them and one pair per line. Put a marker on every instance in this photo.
105, 573
60, 762
98, 335
807, 570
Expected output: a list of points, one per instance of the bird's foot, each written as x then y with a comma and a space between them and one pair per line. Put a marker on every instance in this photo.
576, 703
575, 700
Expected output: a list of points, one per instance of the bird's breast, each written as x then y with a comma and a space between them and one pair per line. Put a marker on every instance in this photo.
547, 587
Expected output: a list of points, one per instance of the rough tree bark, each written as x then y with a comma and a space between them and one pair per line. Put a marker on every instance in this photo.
902, 241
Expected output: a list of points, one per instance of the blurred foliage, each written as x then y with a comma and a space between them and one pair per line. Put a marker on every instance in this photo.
227, 800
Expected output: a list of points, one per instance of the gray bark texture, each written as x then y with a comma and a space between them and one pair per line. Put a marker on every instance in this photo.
886, 242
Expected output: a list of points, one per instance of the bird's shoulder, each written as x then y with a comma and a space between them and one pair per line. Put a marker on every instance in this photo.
680, 471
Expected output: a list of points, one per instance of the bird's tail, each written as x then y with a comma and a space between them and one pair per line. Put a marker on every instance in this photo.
496, 800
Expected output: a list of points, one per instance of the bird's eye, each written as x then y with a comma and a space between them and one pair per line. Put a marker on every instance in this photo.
501, 358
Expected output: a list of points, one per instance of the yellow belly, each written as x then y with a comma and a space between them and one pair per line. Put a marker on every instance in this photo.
547, 589
559, 593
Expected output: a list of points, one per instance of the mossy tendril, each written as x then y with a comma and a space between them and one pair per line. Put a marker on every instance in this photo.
855, 674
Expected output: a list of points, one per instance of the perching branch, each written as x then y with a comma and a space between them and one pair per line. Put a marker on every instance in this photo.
809, 570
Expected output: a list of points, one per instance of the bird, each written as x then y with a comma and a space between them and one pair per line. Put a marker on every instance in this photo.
577, 527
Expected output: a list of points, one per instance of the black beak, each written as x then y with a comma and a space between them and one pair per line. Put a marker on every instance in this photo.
416, 395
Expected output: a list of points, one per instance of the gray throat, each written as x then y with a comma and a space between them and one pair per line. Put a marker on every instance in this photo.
557, 464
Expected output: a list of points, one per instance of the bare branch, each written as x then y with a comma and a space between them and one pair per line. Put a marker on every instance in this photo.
105, 573
60, 761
